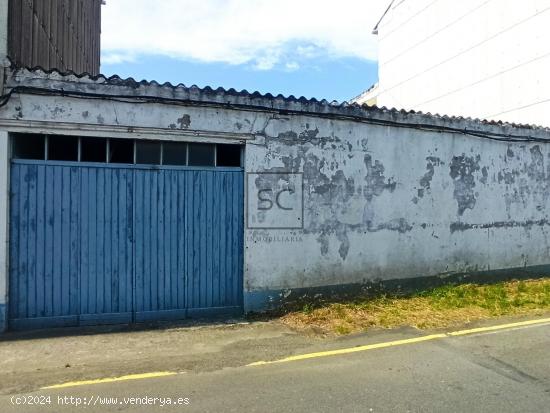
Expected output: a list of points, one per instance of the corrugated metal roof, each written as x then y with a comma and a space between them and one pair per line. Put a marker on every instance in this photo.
116, 86
362, 94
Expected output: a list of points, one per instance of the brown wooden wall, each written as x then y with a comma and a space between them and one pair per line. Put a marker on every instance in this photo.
60, 34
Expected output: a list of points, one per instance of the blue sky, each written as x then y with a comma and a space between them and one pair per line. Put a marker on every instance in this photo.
312, 48
337, 79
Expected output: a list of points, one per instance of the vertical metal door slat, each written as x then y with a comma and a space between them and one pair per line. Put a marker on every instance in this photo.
15, 234
89, 282
209, 284
198, 248
75, 241
24, 244
65, 244
223, 241
183, 260
108, 269
57, 237
216, 224
165, 293
40, 240
31, 240
139, 234
189, 240
153, 286
114, 248
129, 235
48, 253
238, 235
202, 275
173, 225
228, 238
100, 242
159, 257
146, 287
22, 256
84, 270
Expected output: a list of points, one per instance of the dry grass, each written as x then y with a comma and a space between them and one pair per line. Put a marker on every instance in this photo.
439, 307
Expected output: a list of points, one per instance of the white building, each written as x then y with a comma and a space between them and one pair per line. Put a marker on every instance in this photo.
487, 59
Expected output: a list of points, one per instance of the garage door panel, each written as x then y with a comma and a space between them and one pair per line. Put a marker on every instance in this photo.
217, 220
197, 258
181, 241
123, 258
198, 253
73, 252
44, 249
40, 241
117, 239
159, 235
174, 225
214, 211
92, 244
106, 262
142, 230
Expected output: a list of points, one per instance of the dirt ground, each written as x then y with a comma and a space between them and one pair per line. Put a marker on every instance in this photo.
31, 360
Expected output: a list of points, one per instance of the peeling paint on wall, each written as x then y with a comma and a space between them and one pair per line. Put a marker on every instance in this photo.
463, 226
462, 170
376, 181
184, 121
328, 186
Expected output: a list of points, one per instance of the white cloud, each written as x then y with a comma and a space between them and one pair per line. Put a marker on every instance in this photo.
117, 58
292, 66
261, 33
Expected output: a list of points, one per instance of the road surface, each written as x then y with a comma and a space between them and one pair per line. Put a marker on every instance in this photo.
500, 371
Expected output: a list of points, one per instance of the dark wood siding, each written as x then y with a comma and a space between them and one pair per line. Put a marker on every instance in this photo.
55, 34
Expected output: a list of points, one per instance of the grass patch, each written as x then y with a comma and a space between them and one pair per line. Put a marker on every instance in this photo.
439, 307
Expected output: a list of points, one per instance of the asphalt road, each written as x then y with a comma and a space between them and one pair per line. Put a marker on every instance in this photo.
505, 371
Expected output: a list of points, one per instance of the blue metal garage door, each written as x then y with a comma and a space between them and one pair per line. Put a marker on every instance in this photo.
94, 244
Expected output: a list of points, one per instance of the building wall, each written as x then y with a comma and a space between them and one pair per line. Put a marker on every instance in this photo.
3, 41
337, 195
384, 203
61, 34
486, 58
3, 28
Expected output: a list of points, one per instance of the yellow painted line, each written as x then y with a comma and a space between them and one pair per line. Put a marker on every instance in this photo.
405, 341
499, 327
322, 353
353, 349
112, 379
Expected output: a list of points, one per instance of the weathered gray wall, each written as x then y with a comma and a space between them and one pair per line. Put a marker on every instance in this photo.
379, 202
385, 203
